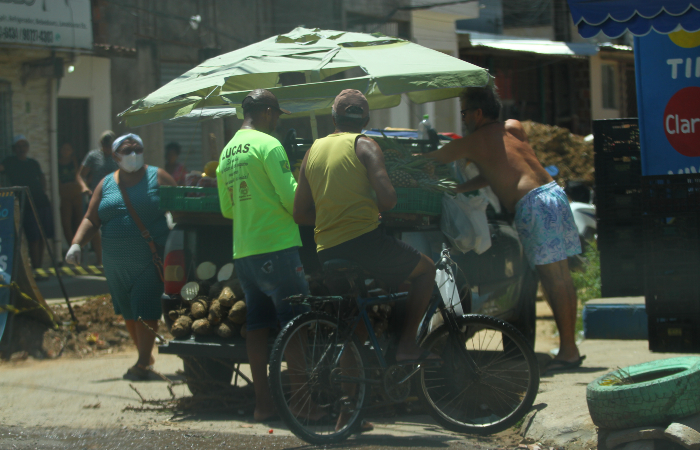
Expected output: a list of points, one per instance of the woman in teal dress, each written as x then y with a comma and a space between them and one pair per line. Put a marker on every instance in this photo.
132, 277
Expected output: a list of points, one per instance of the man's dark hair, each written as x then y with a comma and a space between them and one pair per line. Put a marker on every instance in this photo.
254, 110
173, 147
349, 122
484, 98
107, 138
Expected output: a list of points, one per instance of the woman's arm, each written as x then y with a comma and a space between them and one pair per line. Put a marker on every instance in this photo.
91, 222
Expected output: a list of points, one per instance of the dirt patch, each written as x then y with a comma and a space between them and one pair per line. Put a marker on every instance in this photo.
559, 147
98, 331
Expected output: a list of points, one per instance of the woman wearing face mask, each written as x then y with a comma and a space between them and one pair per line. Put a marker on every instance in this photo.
132, 276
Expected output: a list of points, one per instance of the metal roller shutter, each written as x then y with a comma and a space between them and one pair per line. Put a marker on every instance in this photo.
186, 133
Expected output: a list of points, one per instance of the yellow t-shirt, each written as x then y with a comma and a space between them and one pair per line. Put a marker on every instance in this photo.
346, 205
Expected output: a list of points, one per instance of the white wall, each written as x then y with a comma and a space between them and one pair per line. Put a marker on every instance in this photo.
91, 79
597, 110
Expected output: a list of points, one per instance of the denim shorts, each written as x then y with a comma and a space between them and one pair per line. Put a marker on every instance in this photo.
267, 279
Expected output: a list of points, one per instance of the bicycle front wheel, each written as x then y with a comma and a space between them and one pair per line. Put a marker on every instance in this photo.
310, 388
489, 376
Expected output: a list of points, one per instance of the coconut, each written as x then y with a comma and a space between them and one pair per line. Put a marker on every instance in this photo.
235, 286
228, 298
199, 309
238, 312
201, 326
224, 329
182, 326
215, 312
173, 314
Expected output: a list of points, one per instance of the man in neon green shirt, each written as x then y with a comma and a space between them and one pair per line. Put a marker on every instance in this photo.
256, 190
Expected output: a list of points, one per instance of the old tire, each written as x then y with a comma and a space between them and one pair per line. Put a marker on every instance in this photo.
657, 392
207, 376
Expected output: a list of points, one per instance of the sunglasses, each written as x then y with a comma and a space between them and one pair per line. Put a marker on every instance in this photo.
130, 149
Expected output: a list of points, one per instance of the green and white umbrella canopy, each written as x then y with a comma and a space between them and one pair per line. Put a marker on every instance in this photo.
389, 67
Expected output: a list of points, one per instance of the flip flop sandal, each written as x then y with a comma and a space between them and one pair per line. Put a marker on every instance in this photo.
365, 427
137, 372
556, 365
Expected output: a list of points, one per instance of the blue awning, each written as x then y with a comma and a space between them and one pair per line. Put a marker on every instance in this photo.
614, 17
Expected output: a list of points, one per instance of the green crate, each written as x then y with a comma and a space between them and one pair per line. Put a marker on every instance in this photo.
418, 201
186, 198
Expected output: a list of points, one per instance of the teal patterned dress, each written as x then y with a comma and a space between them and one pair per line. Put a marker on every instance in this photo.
128, 262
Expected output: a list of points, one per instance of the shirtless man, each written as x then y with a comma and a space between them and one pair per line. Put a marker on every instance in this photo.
543, 216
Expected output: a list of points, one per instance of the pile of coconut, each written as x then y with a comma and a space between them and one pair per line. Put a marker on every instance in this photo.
211, 309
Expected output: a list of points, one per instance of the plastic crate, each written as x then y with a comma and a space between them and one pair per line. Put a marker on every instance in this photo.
611, 234
674, 286
418, 201
671, 195
615, 135
620, 272
619, 205
678, 333
186, 198
662, 229
618, 169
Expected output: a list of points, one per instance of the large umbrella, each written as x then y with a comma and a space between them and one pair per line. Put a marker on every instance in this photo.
383, 68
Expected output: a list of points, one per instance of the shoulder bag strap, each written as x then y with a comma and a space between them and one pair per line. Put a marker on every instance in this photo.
144, 232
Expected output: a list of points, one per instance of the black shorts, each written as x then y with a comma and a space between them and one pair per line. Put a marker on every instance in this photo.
386, 258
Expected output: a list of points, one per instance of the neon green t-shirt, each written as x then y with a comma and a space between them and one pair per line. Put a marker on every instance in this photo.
256, 190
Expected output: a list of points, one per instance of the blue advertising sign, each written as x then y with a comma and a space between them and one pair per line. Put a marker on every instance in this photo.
7, 248
668, 96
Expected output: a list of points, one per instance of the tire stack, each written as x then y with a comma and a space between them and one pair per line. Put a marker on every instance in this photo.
672, 245
618, 172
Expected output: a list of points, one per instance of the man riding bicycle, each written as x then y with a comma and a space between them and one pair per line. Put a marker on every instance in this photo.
343, 186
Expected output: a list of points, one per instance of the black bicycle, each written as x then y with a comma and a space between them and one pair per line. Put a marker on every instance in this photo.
484, 382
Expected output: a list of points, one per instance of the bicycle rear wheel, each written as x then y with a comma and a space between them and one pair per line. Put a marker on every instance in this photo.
484, 385
305, 379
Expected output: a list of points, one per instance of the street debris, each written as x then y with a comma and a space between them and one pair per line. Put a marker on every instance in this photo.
98, 331
556, 146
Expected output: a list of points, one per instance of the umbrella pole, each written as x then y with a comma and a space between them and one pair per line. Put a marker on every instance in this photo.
314, 125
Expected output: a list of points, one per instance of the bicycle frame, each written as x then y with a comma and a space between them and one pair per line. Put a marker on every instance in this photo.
436, 303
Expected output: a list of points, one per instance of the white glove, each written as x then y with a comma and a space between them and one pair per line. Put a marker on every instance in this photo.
73, 255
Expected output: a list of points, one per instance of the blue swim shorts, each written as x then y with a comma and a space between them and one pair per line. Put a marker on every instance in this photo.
267, 279
546, 225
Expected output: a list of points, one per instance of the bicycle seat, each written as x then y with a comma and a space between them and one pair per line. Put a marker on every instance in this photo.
341, 265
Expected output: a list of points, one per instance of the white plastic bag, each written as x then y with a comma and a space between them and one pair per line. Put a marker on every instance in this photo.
464, 222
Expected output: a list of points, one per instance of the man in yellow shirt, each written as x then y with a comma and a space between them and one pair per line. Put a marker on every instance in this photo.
343, 186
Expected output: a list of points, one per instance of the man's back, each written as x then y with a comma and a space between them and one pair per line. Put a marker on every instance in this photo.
256, 190
343, 195
506, 160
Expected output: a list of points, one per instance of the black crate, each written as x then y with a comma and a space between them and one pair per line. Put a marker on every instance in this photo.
677, 333
621, 271
662, 230
613, 236
671, 195
618, 169
669, 291
621, 205
615, 135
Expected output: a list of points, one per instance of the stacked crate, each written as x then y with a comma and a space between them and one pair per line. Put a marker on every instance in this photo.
672, 243
618, 172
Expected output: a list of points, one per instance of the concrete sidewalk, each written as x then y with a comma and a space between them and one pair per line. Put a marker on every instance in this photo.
560, 415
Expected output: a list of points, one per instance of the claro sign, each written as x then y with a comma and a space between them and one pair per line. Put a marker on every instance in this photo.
52, 23
668, 94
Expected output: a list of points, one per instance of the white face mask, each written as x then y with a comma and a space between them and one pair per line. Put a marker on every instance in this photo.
131, 162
